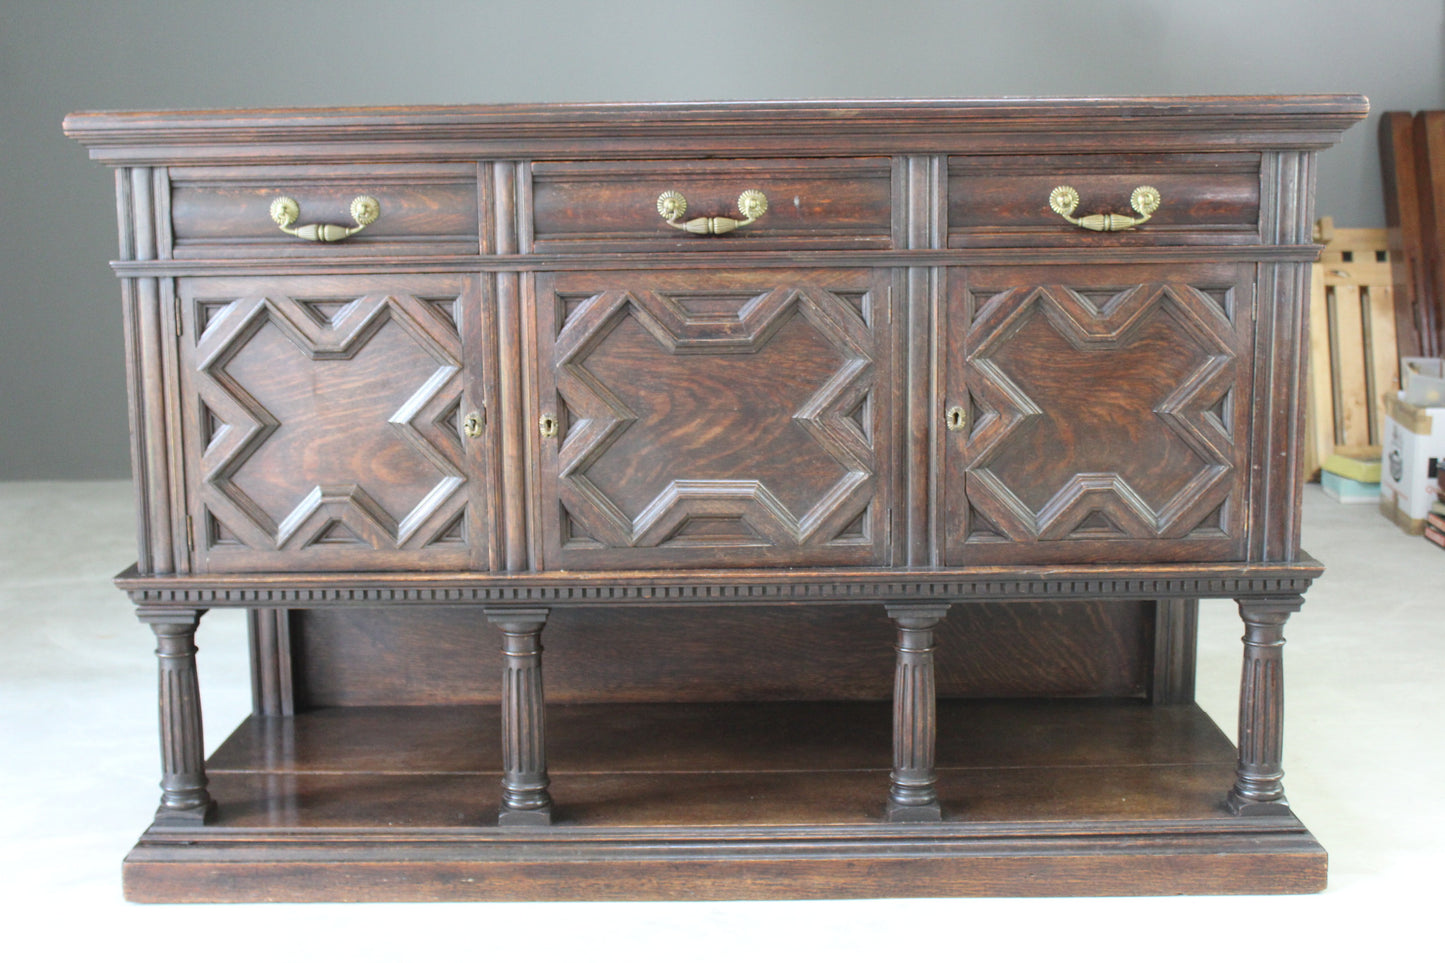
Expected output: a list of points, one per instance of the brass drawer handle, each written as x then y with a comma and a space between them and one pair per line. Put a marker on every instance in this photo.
1145, 200
548, 426
672, 205
285, 211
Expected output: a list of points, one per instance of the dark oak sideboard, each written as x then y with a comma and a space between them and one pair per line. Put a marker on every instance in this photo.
859, 464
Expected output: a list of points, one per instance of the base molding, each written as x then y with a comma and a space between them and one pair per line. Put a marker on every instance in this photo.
1280, 858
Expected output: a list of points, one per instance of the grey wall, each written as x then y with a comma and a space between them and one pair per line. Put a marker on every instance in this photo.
62, 391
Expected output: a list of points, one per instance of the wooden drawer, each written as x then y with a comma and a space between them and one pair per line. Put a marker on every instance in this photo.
813, 204
1205, 198
423, 209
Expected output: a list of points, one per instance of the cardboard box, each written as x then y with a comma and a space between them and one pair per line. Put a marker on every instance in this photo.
1414, 446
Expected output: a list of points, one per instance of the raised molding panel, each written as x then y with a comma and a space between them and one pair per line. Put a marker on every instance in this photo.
1126, 439
293, 459
759, 410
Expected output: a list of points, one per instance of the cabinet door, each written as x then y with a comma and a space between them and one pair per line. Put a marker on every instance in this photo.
719, 418
325, 423
1106, 411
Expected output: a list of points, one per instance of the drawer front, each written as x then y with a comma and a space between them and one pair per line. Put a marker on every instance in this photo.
1005, 201
840, 204
326, 423
1107, 413
718, 419
421, 209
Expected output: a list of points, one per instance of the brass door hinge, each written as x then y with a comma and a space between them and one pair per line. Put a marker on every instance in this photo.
190, 534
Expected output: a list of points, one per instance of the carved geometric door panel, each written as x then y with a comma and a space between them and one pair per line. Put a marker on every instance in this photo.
1103, 423
324, 421
718, 418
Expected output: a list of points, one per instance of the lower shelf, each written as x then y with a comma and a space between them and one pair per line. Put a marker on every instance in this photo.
725, 801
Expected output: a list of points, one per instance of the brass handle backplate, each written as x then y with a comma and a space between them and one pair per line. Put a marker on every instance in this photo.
548, 426
1145, 200
672, 206
285, 211
474, 424
956, 418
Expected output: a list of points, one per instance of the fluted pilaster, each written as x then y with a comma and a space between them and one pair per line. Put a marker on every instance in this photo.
183, 766
1258, 787
912, 792
525, 799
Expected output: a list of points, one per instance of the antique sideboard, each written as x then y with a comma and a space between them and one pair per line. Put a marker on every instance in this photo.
860, 465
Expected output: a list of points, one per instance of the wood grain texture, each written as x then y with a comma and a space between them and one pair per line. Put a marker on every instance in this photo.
994, 758
184, 797
912, 785
1004, 201
1258, 788
224, 212
715, 418
1153, 383
1416, 332
777, 129
832, 204
525, 800
682, 737
280, 467
450, 656
1429, 141
1207, 864
273, 670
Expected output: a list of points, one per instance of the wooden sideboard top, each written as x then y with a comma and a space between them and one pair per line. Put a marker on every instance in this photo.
792, 128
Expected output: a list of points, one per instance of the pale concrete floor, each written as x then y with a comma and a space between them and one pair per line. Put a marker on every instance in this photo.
1366, 706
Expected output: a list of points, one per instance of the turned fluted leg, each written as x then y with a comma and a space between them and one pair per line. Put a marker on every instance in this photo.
525, 800
912, 791
1258, 787
184, 798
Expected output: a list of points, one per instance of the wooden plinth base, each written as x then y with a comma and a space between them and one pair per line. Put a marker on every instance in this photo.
711, 801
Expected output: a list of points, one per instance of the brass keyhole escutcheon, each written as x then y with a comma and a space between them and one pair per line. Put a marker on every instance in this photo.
548, 425
956, 418
473, 425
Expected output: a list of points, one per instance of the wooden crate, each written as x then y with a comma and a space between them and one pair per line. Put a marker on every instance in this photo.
1353, 356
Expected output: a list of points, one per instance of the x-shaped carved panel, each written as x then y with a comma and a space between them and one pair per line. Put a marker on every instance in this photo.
1100, 416
735, 418
330, 427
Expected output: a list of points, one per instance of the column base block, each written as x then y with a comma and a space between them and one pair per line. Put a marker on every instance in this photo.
926, 813
542, 816
190, 816
1241, 806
